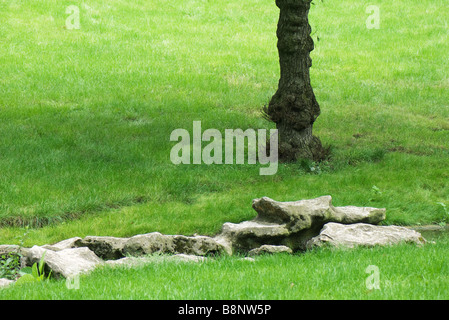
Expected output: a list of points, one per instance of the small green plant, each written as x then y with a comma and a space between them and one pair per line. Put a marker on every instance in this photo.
310, 166
376, 190
376, 193
446, 211
35, 273
9, 265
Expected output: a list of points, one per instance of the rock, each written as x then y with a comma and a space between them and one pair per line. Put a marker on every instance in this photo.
366, 235
107, 248
111, 248
292, 224
65, 244
269, 249
197, 246
254, 229
5, 282
250, 234
278, 227
6, 249
307, 214
15, 250
225, 243
145, 244
65, 263
172, 244
352, 214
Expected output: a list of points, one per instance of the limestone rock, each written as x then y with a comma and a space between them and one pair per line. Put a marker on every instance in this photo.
65, 263
352, 214
307, 214
172, 244
295, 215
112, 248
251, 234
278, 227
269, 249
145, 244
293, 223
366, 235
197, 245
5, 282
15, 250
107, 248
6, 249
64, 244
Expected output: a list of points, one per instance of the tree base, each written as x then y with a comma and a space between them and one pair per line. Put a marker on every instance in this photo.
295, 145
294, 107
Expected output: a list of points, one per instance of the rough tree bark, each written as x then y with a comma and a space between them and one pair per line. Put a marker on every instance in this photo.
294, 107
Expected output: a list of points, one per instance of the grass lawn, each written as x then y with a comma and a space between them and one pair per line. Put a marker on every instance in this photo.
86, 117
405, 272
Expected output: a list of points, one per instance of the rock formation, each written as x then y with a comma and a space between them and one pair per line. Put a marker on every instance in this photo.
279, 227
292, 224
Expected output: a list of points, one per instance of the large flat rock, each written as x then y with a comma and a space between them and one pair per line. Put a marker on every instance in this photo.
156, 242
107, 248
65, 263
112, 248
64, 244
364, 235
247, 235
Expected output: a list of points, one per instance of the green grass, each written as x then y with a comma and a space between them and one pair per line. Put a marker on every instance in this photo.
86, 115
405, 272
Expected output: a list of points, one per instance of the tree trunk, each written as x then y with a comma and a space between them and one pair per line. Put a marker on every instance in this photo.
293, 107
